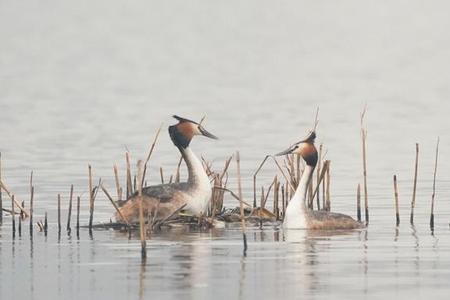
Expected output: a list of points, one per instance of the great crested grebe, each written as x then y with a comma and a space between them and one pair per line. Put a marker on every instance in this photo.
297, 216
164, 199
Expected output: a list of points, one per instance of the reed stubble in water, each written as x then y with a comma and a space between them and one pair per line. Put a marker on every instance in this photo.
31, 210
78, 215
45, 224
363, 140
69, 213
434, 187
397, 213
13, 215
413, 201
59, 214
91, 199
141, 212
241, 204
358, 202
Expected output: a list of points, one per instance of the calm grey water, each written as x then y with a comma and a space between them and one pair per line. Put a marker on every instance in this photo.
80, 83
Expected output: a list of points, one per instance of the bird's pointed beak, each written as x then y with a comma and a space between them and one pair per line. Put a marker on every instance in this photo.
206, 133
285, 152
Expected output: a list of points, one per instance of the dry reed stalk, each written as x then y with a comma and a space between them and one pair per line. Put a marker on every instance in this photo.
91, 198
413, 201
318, 178
129, 184
152, 147
141, 212
241, 206
283, 201
31, 203
59, 214
69, 214
363, 140
161, 173
78, 214
325, 167
118, 188
114, 204
16, 202
1, 196
397, 214
288, 182
434, 187
327, 193
177, 173
358, 203
276, 191
13, 215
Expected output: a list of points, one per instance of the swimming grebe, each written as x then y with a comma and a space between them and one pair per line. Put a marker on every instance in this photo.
297, 216
165, 199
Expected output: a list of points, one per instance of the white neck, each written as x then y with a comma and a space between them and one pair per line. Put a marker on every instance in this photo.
200, 186
296, 210
196, 171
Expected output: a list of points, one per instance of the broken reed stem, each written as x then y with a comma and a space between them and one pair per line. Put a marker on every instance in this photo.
254, 179
13, 215
283, 201
328, 198
118, 188
434, 187
78, 214
16, 202
59, 214
358, 203
91, 199
115, 205
152, 147
233, 194
69, 214
129, 184
413, 201
363, 139
31, 209
397, 214
241, 206
161, 173
142, 230
1, 196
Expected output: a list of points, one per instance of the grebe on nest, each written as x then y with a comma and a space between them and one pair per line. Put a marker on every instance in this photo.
297, 216
165, 199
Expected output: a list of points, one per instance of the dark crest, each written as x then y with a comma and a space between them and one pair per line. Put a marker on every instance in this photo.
177, 137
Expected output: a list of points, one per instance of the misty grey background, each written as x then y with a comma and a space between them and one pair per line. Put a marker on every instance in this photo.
80, 82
